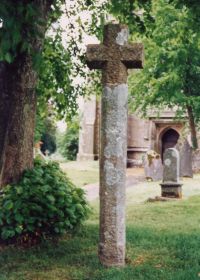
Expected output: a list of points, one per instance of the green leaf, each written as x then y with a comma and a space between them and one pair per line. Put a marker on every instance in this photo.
51, 198
8, 205
19, 218
19, 229
8, 57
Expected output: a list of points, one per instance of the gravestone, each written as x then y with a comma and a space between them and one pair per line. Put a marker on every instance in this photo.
114, 57
186, 160
153, 166
196, 161
171, 186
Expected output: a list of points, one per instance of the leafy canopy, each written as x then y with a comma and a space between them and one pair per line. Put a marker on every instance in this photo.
172, 65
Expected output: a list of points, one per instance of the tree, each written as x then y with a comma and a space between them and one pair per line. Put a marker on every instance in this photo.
23, 26
171, 74
68, 141
21, 39
135, 13
45, 131
54, 84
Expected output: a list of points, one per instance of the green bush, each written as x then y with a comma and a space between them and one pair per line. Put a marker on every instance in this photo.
44, 203
68, 143
48, 143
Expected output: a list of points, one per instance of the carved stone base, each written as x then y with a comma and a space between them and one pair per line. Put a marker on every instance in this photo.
172, 190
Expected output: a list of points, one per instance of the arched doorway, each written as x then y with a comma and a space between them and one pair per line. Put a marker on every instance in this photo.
169, 139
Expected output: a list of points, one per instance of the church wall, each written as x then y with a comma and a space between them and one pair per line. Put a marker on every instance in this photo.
143, 134
139, 138
161, 127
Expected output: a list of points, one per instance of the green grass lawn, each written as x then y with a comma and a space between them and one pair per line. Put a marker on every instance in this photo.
81, 173
163, 242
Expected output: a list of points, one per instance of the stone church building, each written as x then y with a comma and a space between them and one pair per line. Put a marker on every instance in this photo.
153, 133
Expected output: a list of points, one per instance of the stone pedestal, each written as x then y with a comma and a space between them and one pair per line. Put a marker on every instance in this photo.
171, 190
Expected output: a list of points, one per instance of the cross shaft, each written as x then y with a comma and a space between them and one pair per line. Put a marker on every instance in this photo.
114, 57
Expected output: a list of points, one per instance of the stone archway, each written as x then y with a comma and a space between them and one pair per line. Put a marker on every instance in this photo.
169, 139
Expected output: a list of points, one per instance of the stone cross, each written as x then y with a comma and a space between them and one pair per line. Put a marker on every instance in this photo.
171, 186
114, 57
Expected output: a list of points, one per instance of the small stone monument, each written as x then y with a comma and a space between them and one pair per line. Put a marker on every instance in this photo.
196, 161
153, 167
185, 151
171, 186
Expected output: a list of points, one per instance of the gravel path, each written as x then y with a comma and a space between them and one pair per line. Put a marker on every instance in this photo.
139, 190
92, 190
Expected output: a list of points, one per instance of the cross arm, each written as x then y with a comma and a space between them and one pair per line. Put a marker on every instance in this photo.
95, 56
132, 55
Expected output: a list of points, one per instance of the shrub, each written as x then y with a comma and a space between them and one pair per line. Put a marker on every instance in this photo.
68, 144
48, 143
45, 130
44, 203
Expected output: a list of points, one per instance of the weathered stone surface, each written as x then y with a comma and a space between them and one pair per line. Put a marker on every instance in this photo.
186, 160
171, 190
171, 186
153, 167
171, 165
196, 161
86, 149
114, 56
113, 175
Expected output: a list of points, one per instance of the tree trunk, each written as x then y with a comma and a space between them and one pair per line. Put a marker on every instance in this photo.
192, 127
18, 107
17, 119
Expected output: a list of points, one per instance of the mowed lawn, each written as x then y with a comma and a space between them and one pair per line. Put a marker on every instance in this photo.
81, 173
163, 242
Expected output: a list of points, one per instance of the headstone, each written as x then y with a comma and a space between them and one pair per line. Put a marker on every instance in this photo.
186, 160
114, 57
196, 161
171, 186
153, 166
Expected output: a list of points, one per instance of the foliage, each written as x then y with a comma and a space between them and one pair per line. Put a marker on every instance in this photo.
171, 74
68, 142
85, 18
136, 14
39, 126
12, 36
21, 26
48, 146
43, 203
54, 82
45, 130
